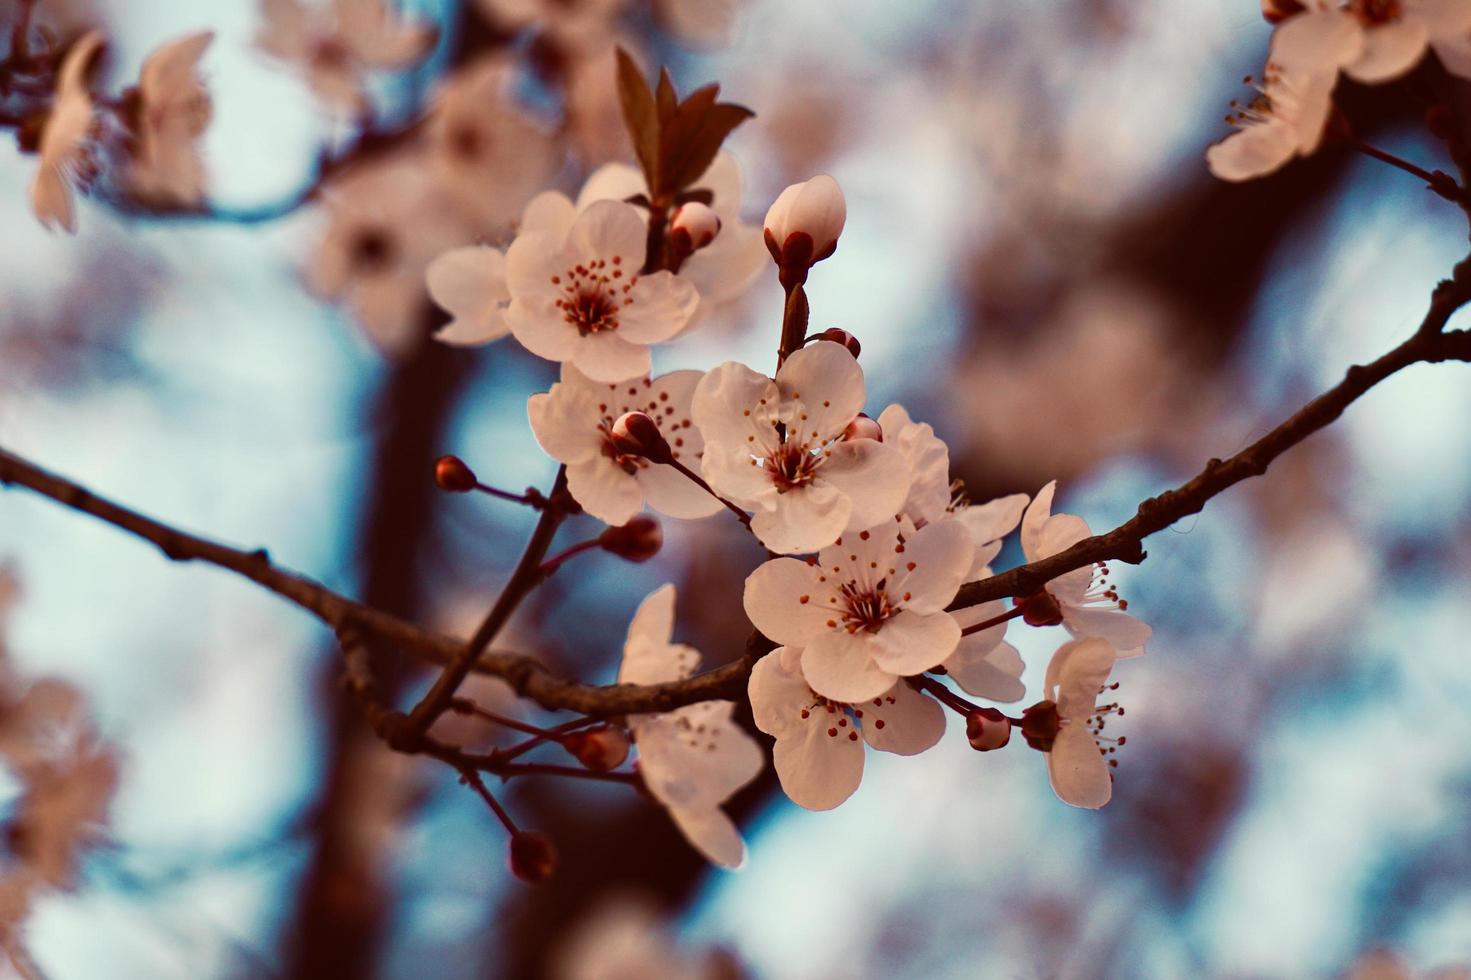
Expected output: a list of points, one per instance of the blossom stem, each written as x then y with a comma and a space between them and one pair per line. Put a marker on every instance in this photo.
555, 562
942, 694
465, 706
699, 481
993, 621
472, 779
549, 735
793, 323
530, 498
507, 771
526, 577
1439, 181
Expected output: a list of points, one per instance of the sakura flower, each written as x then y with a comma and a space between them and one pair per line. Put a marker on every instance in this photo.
64, 159
491, 157
818, 755
1069, 727
928, 460
776, 448
1377, 40
694, 758
340, 42
868, 610
573, 25
1088, 605
173, 110
386, 221
574, 422
984, 664
1285, 120
469, 283
720, 270
577, 294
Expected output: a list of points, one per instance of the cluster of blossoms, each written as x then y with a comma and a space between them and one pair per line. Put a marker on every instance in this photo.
871, 541
1313, 42
65, 777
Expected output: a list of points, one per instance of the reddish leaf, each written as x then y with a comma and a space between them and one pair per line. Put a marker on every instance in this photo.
640, 115
683, 162
668, 98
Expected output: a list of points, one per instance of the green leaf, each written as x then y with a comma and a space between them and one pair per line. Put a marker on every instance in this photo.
640, 115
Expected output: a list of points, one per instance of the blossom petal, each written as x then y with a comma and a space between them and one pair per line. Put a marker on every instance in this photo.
1076, 674
773, 601
712, 833
778, 695
803, 519
564, 421
470, 284
611, 182
840, 665
828, 383
940, 554
1317, 42
538, 325
549, 212
1252, 151
605, 356
610, 230
1079, 773
734, 406
604, 490
1126, 634
992, 672
928, 460
905, 722
872, 475
994, 519
662, 305
673, 494
1389, 51
818, 771
735, 475
648, 636
911, 643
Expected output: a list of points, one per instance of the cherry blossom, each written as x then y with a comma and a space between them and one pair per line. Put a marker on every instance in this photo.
694, 758
1377, 41
469, 283
63, 153
720, 270
1088, 604
573, 25
928, 460
573, 422
776, 448
173, 110
1284, 121
1076, 761
577, 294
818, 755
385, 223
340, 42
804, 222
868, 610
489, 155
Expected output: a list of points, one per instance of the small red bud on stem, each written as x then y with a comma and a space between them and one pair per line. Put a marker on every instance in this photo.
636, 434
638, 540
600, 749
533, 856
452, 475
987, 729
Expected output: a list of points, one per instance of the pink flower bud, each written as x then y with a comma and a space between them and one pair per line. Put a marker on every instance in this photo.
863, 427
843, 337
696, 225
987, 729
1276, 11
1040, 723
1040, 609
600, 748
533, 856
635, 434
638, 540
451, 474
804, 223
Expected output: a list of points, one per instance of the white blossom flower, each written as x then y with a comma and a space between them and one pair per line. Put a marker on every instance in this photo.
694, 758
984, 664
1089, 605
721, 270
386, 221
573, 25
173, 111
340, 42
64, 810
776, 448
626, 938
818, 755
804, 222
63, 147
490, 156
868, 610
577, 293
928, 460
573, 423
469, 283
1376, 41
1076, 762
1285, 120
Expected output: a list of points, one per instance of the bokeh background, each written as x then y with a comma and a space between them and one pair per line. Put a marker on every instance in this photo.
1037, 262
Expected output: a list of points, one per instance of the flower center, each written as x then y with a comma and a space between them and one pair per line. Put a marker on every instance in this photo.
466, 143
592, 294
1373, 12
791, 465
837, 716
373, 249
866, 609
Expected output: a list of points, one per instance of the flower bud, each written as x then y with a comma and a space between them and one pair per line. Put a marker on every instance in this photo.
987, 729
635, 434
863, 427
1276, 11
1040, 723
638, 540
843, 337
695, 225
804, 223
600, 748
533, 856
451, 474
1040, 609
